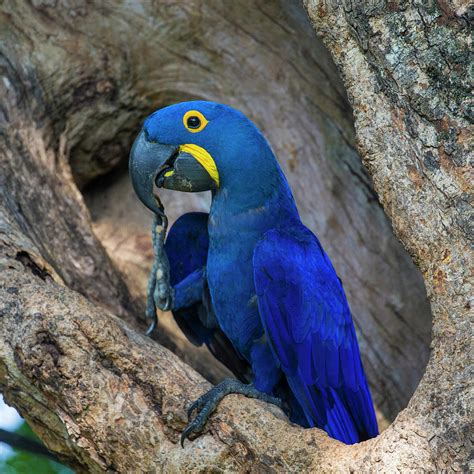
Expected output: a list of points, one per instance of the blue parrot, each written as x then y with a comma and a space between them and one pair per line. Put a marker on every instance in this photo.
249, 279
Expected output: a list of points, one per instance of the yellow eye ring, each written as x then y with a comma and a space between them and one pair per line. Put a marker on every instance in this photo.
194, 121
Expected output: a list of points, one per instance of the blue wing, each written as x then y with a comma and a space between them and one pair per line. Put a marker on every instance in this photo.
308, 322
186, 247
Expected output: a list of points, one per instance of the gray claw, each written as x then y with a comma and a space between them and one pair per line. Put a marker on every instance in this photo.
208, 402
198, 423
184, 435
152, 326
197, 405
164, 295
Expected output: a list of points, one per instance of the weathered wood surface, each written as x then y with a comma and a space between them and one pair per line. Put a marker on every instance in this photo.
77, 81
406, 69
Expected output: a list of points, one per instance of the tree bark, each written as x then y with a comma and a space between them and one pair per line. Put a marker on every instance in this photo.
77, 81
405, 68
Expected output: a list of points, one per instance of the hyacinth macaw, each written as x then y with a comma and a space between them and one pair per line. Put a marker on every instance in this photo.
249, 279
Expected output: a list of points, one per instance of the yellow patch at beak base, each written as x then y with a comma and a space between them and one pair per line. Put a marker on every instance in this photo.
204, 158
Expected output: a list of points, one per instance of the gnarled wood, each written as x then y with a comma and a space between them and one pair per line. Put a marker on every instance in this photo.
77, 81
406, 73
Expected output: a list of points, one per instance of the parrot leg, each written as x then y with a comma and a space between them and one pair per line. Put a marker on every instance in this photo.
159, 291
207, 403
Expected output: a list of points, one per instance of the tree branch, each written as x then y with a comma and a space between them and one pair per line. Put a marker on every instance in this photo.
104, 397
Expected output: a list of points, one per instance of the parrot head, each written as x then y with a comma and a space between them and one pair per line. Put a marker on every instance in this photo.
199, 146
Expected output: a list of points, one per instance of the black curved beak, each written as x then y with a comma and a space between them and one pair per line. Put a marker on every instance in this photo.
164, 166
146, 159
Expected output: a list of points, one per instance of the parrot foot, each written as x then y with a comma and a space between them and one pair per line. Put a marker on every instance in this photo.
160, 293
207, 403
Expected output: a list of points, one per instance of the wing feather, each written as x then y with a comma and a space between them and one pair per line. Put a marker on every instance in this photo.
186, 247
308, 322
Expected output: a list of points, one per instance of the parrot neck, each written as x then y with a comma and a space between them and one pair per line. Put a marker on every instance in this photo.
257, 202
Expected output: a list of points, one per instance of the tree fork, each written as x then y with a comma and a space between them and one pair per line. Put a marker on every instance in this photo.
104, 397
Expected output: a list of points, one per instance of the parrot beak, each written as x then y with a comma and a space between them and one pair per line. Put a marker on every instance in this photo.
166, 166
146, 161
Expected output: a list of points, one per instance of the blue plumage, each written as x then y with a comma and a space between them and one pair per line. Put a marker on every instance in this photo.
273, 290
187, 247
308, 322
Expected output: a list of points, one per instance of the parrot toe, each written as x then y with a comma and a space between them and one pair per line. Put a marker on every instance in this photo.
198, 404
207, 403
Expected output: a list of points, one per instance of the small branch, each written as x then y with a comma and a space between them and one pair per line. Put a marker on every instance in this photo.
26, 444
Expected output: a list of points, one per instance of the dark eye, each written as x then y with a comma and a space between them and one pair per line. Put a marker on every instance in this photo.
193, 122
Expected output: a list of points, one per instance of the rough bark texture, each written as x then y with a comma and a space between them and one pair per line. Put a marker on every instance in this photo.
406, 70
77, 81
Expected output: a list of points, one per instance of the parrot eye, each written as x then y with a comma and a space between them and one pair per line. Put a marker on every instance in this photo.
194, 121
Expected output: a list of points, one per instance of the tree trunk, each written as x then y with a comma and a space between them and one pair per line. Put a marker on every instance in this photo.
78, 79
